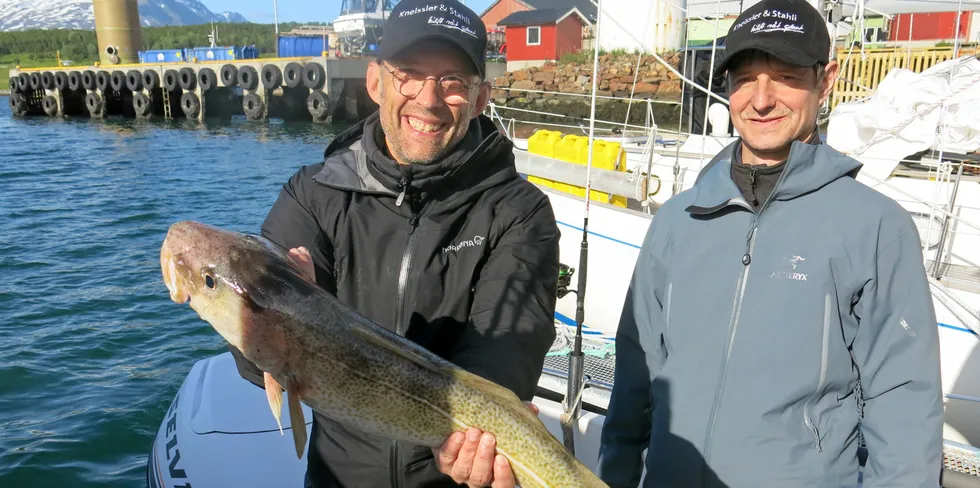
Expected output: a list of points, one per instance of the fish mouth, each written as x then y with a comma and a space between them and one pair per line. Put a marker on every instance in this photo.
171, 277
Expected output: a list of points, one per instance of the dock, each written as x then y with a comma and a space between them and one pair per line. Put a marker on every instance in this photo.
320, 89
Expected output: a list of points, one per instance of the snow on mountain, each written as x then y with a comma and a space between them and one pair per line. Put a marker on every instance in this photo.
78, 14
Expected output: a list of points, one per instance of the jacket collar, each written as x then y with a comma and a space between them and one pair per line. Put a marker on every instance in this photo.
355, 161
808, 168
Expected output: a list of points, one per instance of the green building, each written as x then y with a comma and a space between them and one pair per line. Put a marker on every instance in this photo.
701, 31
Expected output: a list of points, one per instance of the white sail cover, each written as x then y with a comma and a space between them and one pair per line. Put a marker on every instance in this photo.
911, 112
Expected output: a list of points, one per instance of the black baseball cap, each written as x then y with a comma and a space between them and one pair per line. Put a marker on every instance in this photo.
414, 20
791, 30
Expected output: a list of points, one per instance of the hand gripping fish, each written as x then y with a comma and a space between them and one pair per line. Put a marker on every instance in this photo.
342, 364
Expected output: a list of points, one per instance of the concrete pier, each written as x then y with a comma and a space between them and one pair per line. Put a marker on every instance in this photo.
317, 89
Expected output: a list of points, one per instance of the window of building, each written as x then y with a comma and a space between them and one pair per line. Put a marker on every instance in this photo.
534, 36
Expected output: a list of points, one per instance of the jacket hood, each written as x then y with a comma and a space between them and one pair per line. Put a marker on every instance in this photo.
808, 168
355, 160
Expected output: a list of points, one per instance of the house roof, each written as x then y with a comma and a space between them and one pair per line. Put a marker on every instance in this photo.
585, 7
536, 17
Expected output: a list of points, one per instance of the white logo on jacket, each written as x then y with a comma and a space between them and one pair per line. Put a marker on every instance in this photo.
474, 242
790, 262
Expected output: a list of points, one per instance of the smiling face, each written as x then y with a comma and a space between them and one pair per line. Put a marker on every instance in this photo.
773, 103
421, 129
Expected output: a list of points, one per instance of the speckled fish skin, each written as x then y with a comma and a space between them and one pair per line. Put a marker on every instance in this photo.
344, 365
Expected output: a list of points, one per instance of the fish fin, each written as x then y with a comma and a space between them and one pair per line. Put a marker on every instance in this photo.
389, 344
296, 418
274, 392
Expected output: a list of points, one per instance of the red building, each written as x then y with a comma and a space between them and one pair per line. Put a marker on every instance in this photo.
536, 36
929, 26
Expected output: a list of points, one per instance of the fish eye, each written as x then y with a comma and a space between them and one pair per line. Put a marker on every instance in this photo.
209, 280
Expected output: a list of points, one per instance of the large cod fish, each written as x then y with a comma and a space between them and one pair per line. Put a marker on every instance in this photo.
342, 364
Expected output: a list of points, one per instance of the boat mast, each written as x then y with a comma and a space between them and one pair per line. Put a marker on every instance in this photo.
576, 360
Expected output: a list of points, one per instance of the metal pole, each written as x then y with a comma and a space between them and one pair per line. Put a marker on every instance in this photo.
956, 34
940, 250
275, 15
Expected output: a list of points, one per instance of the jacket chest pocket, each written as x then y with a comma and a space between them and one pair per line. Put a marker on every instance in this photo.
794, 312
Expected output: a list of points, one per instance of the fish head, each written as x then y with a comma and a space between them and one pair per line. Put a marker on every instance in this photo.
234, 282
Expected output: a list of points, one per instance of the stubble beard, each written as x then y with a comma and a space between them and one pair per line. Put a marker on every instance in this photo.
394, 136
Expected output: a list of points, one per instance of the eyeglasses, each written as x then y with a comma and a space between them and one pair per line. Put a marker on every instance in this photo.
453, 89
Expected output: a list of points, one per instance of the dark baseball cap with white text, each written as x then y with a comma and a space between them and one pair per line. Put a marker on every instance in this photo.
449, 20
791, 30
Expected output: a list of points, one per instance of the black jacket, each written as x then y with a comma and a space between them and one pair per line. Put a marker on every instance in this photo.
460, 256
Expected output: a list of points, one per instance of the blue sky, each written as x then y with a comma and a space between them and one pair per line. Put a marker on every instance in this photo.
298, 10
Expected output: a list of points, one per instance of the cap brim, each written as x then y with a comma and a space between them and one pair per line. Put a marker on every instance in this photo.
785, 52
475, 62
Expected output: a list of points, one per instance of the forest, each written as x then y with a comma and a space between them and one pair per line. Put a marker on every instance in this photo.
80, 46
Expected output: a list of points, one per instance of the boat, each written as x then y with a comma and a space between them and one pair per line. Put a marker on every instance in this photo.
218, 430
359, 25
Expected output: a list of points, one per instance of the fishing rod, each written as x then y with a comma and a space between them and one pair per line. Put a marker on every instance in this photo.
576, 360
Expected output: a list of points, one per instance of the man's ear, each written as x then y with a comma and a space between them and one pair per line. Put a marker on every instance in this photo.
829, 79
373, 81
482, 98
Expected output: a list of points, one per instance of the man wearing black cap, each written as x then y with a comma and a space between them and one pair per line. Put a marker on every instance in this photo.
779, 310
418, 218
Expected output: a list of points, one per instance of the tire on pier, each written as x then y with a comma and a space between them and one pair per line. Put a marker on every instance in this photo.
253, 106
171, 80
248, 78
47, 80
318, 104
14, 86
142, 105
187, 78
35, 80
18, 104
271, 77
102, 81
88, 80
61, 80
292, 76
190, 105
24, 82
74, 80
93, 102
117, 81
229, 75
49, 105
206, 79
151, 80
314, 76
134, 80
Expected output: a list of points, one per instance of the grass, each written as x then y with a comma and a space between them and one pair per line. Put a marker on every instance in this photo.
9, 62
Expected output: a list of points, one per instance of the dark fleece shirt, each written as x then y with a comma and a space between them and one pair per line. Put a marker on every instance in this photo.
756, 181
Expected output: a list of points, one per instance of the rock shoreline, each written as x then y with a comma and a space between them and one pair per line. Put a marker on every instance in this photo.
553, 88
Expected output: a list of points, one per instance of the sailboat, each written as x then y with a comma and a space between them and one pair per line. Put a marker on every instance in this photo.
917, 139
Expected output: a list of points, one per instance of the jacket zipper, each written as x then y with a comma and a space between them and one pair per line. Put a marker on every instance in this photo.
403, 274
825, 345
737, 306
406, 265
732, 327
395, 460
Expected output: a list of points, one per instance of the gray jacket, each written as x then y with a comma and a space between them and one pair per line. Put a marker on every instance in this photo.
750, 343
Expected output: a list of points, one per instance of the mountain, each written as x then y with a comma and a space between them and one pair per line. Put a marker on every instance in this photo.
78, 14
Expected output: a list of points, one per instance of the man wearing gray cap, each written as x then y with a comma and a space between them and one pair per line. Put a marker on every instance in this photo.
779, 310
